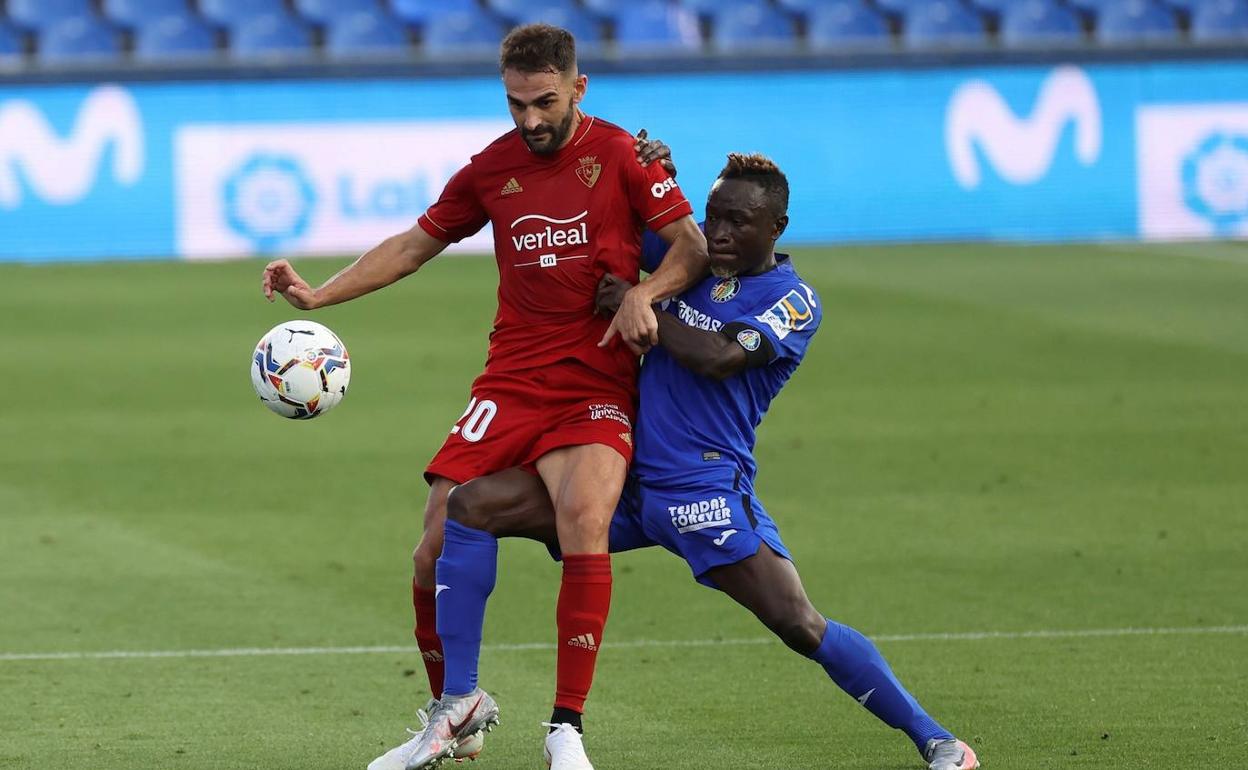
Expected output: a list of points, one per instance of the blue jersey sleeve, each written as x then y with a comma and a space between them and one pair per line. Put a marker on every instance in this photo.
782, 327
654, 248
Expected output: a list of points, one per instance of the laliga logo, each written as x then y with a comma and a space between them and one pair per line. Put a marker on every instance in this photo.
269, 199
1021, 149
1215, 180
63, 171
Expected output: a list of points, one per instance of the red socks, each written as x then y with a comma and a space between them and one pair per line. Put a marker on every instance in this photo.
427, 636
581, 615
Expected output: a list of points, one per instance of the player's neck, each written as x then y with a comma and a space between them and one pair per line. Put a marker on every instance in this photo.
767, 264
577, 119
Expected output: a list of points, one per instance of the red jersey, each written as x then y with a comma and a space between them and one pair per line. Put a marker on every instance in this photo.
561, 222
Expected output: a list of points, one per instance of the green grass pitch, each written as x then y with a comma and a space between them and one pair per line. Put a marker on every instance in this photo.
983, 439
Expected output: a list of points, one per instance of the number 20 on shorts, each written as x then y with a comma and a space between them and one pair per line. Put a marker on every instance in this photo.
475, 420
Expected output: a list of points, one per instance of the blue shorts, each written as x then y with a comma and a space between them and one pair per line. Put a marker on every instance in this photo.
709, 519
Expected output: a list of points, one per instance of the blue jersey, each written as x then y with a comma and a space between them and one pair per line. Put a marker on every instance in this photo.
688, 423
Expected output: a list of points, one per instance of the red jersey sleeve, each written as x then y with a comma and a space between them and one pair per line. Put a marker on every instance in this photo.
654, 195
458, 212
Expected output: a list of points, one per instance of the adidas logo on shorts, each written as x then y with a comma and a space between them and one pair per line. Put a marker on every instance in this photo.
585, 641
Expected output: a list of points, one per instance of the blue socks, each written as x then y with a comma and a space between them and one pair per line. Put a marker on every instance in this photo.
466, 573
857, 667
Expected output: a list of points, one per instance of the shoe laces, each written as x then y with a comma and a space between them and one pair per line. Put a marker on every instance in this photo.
562, 728
423, 716
559, 725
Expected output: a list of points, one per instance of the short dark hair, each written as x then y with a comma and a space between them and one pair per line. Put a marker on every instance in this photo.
764, 172
538, 48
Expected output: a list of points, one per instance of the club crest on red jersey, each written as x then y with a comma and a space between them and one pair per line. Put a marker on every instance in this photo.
589, 170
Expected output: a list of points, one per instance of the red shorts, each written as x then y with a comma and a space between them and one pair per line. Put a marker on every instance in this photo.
513, 418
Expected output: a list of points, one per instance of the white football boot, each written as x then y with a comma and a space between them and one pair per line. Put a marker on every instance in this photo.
564, 749
396, 758
949, 754
456, 720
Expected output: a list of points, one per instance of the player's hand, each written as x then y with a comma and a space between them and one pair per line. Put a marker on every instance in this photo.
281, 278
635, 322
611, 291
652, 150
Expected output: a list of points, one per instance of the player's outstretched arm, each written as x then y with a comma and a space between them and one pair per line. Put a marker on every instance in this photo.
708, 353
686, 263
395, 257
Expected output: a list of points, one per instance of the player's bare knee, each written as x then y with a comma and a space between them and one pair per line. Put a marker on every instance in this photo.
466, 505
582, 531
459, 506
798, 624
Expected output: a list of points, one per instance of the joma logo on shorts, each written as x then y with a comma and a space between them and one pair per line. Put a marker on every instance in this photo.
692, 517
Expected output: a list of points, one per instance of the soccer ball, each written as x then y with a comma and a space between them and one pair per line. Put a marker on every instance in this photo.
300, 369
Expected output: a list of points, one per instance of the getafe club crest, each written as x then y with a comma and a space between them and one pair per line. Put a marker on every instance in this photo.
750, 339
725, 289
589, 170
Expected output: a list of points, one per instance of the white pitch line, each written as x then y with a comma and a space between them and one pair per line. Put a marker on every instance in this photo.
967, 636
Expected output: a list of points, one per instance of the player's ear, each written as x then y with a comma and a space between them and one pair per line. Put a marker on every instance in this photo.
781, 223
578, 88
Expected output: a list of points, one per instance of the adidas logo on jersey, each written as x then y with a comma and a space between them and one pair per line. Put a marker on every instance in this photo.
433, 656
512, 186
584, 641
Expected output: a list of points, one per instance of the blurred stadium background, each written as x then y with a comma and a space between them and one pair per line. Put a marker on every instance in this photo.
153, 128
1016, 452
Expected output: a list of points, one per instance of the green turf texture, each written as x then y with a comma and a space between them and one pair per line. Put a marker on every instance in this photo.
982, 438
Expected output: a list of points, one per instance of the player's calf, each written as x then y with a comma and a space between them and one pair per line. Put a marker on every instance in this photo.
767, 584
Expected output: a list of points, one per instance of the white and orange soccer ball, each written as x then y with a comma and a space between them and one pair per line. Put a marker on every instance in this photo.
300, 369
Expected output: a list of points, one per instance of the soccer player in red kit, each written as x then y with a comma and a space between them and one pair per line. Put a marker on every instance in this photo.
568, 202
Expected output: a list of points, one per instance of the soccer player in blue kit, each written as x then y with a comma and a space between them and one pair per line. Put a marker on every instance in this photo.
726, 348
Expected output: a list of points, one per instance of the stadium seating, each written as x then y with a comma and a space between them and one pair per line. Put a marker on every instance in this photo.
611, 9
897, 8
270, 36
12, 44
749, 27
325, 11
942, 24
658, 27
804, 8
137, 13
713, 9
584, 27
78, 39
229, 13
842, 24
1089, 8
69, 30
518, 10
1220, 21
176, 37
1039, 23
37, 14
1132, 22
419, 12
991, 8
366, 33
462, 33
